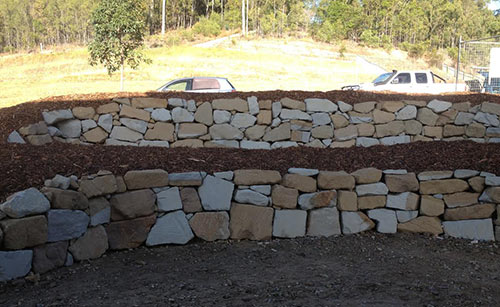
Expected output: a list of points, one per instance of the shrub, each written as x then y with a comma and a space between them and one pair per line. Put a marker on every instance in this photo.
369, 38
207, 27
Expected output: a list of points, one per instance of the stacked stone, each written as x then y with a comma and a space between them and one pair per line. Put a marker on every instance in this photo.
77, 219
263, 124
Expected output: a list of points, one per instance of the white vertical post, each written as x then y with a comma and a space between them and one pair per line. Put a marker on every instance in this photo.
163, 18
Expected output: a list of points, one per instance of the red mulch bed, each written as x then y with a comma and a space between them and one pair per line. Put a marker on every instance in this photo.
24, 166
13, 118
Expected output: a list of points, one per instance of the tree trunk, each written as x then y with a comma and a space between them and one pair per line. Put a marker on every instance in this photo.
121, 77
243, 17
163, 18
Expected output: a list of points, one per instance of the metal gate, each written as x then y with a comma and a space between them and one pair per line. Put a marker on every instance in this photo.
479, 64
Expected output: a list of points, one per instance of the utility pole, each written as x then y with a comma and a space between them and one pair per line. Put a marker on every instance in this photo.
163, 18
243, 17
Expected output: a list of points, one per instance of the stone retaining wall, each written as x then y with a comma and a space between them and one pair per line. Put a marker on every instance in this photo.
73, 219
264, 124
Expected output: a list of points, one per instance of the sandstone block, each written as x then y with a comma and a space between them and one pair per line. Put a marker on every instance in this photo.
490, 107
413, 127
452, 130
247, 196
190, 200
225, 132
364, 107
371, 202
390, 129
347, 133
427, 117
125, 134
347, 201
289, 223
16, 138
470, 229
264, 104
439, 106
265, 117
293, 104
34, 129
366, 129
422, 224
464, 118
335, 180
431, 206
255, 132
322, 132
477, 183
96, 135
161, 131
191, 143
98, 186
129, 233
392, 106
93, 244
172, 228
162, 115
407, 112
191, 131
250, 222
255, 177
382, 117
475, 130
130, 205
56, 116
405, 216
339, 121
84, 112
234, 104
24, 232
402, 183
433, 132
434, 175
461, 199
106, 122
100, 211
71, 128
299, 182
323, 222
318, 200
283, 132
367, 175
284, 197
344, 107
355, 222
131, 112
371, 189
169, 200
146, 179
25, 203
66, 199
491, 195
39, 140
474, 212
210, 226
320, 105
446, 186
49, 256
108, 108
134, 124
148, 102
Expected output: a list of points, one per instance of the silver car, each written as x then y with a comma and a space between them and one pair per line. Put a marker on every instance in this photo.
199, 85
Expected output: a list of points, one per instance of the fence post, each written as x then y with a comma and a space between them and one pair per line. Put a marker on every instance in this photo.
458, 62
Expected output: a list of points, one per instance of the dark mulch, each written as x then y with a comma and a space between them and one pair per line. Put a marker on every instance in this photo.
24, 166
15, 117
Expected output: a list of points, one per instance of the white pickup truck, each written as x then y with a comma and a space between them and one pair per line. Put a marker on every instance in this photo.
409, 82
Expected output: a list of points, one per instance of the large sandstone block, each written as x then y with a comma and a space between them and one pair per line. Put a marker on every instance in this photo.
335, 180
190, 130
389, 129
284, 197
382, 117
34, 129
15, 264
422, 224
232, 104
91, 245
365, 107
66, 224
434, 175
474, 212
190, 200
25, 203
108, 108
355, 222
470, 229
148, 102
125, 134
451, 130
289, 223
210, 226
52, 117
135, 124
172, 228
161, 131
24, 232
323, 222
84, 112
293, 104
491, 195
66, 199
49, 256
98, 186
392, 106
256, 176
225, 132
185, 179
251, 222
247, 196
299, 182
283, 132
431, 206
318, 200
372, 189
319, 105
131, 112
131, 205
216, 194
347, 201
461, 199
129, 233
367, 175
100, 211
169, 200
39, 140
402, 183
96, 135
446, 186
346, 133
146, 179
371, 202
204, 114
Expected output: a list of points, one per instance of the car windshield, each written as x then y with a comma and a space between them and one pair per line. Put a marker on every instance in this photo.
383, 78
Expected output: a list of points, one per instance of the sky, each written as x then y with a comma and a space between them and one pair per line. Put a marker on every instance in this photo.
494, 5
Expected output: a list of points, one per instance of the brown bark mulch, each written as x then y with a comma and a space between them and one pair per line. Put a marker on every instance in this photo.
24, 166
13, 118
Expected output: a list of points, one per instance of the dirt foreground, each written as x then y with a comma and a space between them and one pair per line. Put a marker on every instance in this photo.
366, 269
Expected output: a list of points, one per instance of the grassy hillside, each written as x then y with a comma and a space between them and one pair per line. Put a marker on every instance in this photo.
251, 65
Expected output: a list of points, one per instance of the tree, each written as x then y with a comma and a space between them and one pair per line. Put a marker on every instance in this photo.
119, 27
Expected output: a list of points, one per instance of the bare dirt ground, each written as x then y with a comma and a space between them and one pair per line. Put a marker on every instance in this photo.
368, 269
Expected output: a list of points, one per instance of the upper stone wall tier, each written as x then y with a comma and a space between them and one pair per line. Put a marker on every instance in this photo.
264, 124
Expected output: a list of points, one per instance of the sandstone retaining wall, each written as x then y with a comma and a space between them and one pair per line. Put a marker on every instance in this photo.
73, 219
264, 124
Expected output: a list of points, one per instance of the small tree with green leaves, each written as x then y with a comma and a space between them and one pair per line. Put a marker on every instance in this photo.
119, 27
